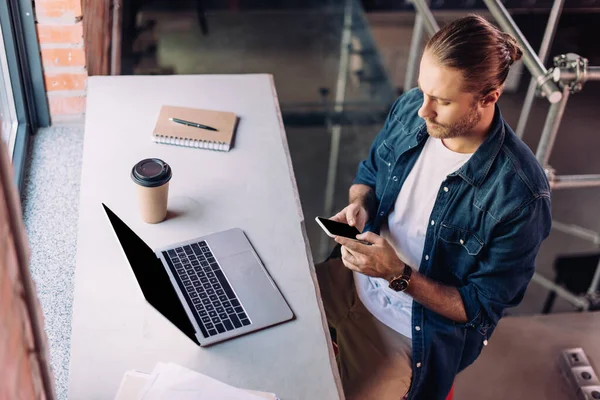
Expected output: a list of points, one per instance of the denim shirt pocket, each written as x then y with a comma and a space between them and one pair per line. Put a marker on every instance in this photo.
385, 155
461, 246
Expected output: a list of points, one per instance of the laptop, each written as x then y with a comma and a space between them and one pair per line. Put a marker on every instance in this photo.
213, 288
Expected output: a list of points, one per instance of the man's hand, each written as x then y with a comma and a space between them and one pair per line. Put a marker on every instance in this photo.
380, 260
377, 260
353, 215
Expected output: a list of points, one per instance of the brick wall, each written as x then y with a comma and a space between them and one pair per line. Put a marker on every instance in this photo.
60, 33
20, 373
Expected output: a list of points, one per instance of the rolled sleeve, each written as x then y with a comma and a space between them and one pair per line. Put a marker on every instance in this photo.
507, 267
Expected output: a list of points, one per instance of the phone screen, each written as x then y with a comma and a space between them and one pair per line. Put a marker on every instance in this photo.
339, 229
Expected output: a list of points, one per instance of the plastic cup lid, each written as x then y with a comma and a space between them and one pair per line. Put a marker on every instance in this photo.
151, 172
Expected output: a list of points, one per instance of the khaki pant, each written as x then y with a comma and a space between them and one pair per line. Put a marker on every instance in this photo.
374, 361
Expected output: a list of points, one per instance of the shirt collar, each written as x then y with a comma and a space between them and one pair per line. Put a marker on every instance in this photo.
476, 169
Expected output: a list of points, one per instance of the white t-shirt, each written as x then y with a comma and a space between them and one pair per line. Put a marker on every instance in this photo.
405, 231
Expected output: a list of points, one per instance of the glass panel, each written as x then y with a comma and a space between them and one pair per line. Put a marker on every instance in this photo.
331, 78
8, 115
307, 46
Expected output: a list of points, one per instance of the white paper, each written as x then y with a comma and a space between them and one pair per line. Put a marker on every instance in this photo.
174, 382
132, 385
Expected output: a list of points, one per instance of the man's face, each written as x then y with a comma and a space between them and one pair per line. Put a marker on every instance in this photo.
448, 111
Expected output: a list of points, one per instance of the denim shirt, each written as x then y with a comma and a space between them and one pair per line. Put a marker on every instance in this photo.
486, 227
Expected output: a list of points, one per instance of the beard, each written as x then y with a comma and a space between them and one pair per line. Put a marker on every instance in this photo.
460, 128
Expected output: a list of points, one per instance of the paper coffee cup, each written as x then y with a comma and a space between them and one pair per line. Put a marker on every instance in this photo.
152, 177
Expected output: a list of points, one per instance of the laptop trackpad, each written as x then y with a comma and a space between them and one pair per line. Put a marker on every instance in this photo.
254, 287
239, 268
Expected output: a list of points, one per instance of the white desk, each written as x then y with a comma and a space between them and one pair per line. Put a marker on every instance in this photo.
251, 187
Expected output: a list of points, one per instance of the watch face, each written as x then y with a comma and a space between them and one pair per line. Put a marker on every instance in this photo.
399, 285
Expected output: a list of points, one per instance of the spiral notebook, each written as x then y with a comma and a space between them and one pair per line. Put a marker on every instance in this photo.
169, 132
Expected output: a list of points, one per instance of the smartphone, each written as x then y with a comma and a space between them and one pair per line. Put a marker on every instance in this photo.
334, 228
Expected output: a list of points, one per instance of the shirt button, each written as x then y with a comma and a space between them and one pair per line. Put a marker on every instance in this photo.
395, 179
418, 365
432, 222
446, 189
462, 241
389, 164
382, 213
417, 328
426, 258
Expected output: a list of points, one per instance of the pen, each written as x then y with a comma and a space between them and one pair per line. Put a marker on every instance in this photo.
194, 124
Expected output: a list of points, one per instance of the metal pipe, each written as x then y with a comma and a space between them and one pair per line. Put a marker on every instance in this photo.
413, 55
531, 60
578, 231
340, 94
551, 126
574, 181
115, 42
423, 9
560, 291
566, 74
595, 281
593, 74
522, 124
543, 55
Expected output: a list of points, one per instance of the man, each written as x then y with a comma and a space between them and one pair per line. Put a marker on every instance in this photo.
461, 207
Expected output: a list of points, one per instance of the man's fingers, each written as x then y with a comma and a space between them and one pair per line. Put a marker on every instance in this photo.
350, 265
344, 252
346, 255
354, 261
339, 217
352, 244
351, 214
354, 258
350, 218
370, 237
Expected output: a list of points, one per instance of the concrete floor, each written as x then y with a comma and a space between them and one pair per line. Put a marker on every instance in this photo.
302, 51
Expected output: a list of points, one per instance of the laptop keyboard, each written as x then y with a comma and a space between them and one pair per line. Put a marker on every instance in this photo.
217, 307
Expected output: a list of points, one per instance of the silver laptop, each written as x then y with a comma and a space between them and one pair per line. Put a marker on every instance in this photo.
213, 288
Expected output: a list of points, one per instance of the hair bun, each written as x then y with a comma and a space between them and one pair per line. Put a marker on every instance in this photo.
514, 51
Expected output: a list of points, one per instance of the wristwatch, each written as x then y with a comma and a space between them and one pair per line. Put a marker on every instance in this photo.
400, 283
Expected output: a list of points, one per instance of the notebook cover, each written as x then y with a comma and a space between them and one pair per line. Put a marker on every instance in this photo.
223, 121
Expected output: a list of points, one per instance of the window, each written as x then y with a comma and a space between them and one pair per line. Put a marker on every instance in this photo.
8, 114
23, 104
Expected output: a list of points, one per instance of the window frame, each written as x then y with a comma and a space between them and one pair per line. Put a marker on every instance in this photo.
25, 77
